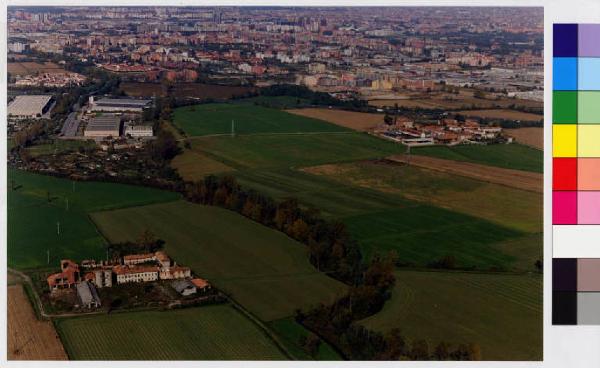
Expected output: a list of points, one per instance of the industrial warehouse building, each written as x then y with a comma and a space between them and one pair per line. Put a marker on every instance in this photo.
138, 131
103, 126
29, 106
118, 104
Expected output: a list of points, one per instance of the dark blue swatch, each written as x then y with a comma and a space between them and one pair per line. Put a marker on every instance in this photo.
565, 40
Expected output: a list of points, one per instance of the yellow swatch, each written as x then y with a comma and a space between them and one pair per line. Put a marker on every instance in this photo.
564, 140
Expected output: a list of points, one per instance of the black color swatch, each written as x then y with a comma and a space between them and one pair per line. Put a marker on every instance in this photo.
564, 308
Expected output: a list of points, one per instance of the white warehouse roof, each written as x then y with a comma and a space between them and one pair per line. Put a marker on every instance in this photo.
28, 105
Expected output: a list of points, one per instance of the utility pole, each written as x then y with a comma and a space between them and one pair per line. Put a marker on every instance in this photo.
57, 227
408, 155
48, 255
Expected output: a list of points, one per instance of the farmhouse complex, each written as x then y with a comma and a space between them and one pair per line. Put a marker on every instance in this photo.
135, 268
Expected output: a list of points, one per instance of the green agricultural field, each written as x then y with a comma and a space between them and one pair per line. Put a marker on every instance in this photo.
382, 222
261, 268
510, 207
509, 156
500, 313
206, 333
291, 333
270, 151
208, 119
37, 225
422, 233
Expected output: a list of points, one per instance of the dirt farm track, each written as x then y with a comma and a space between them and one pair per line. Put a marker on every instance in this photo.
29, 338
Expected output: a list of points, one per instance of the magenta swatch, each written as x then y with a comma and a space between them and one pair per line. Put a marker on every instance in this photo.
564, 208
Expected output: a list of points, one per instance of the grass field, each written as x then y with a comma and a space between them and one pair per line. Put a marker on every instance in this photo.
291, 332
264, 270
193, 165
276, 151
517, 179
211, 119
510, 156
506, 206
206, 333
382, 221
501, 313
32, 219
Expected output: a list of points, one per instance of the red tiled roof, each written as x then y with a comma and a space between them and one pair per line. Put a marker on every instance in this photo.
132, 257
200, 283
124, 270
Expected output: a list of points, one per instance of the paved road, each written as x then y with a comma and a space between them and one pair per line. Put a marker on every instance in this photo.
70, 126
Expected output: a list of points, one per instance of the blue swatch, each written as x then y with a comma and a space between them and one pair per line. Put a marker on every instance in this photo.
564, 74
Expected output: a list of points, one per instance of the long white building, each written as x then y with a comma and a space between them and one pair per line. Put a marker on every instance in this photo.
118, 104
29, 106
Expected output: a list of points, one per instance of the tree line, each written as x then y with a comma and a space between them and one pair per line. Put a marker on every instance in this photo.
330, 247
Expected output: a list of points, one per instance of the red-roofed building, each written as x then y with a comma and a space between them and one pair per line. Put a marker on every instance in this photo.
134, 259
68, 276
201, 284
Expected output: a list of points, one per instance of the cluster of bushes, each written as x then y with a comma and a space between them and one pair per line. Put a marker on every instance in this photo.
330, 247
147, 242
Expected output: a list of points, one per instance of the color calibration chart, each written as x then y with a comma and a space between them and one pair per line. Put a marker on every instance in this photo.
576, 175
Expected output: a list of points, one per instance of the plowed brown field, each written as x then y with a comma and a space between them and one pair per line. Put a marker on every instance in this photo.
533, 137
28, 337
361, 121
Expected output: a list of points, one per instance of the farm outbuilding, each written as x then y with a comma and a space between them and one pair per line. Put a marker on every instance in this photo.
184, 287
88, 295
201, 284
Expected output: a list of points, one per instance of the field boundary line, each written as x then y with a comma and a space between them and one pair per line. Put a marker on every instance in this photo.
261, 325
267, 134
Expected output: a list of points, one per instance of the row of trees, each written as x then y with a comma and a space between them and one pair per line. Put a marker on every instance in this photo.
329, 244
315, 98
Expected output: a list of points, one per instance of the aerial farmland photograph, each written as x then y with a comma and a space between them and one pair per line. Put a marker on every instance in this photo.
274, 183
